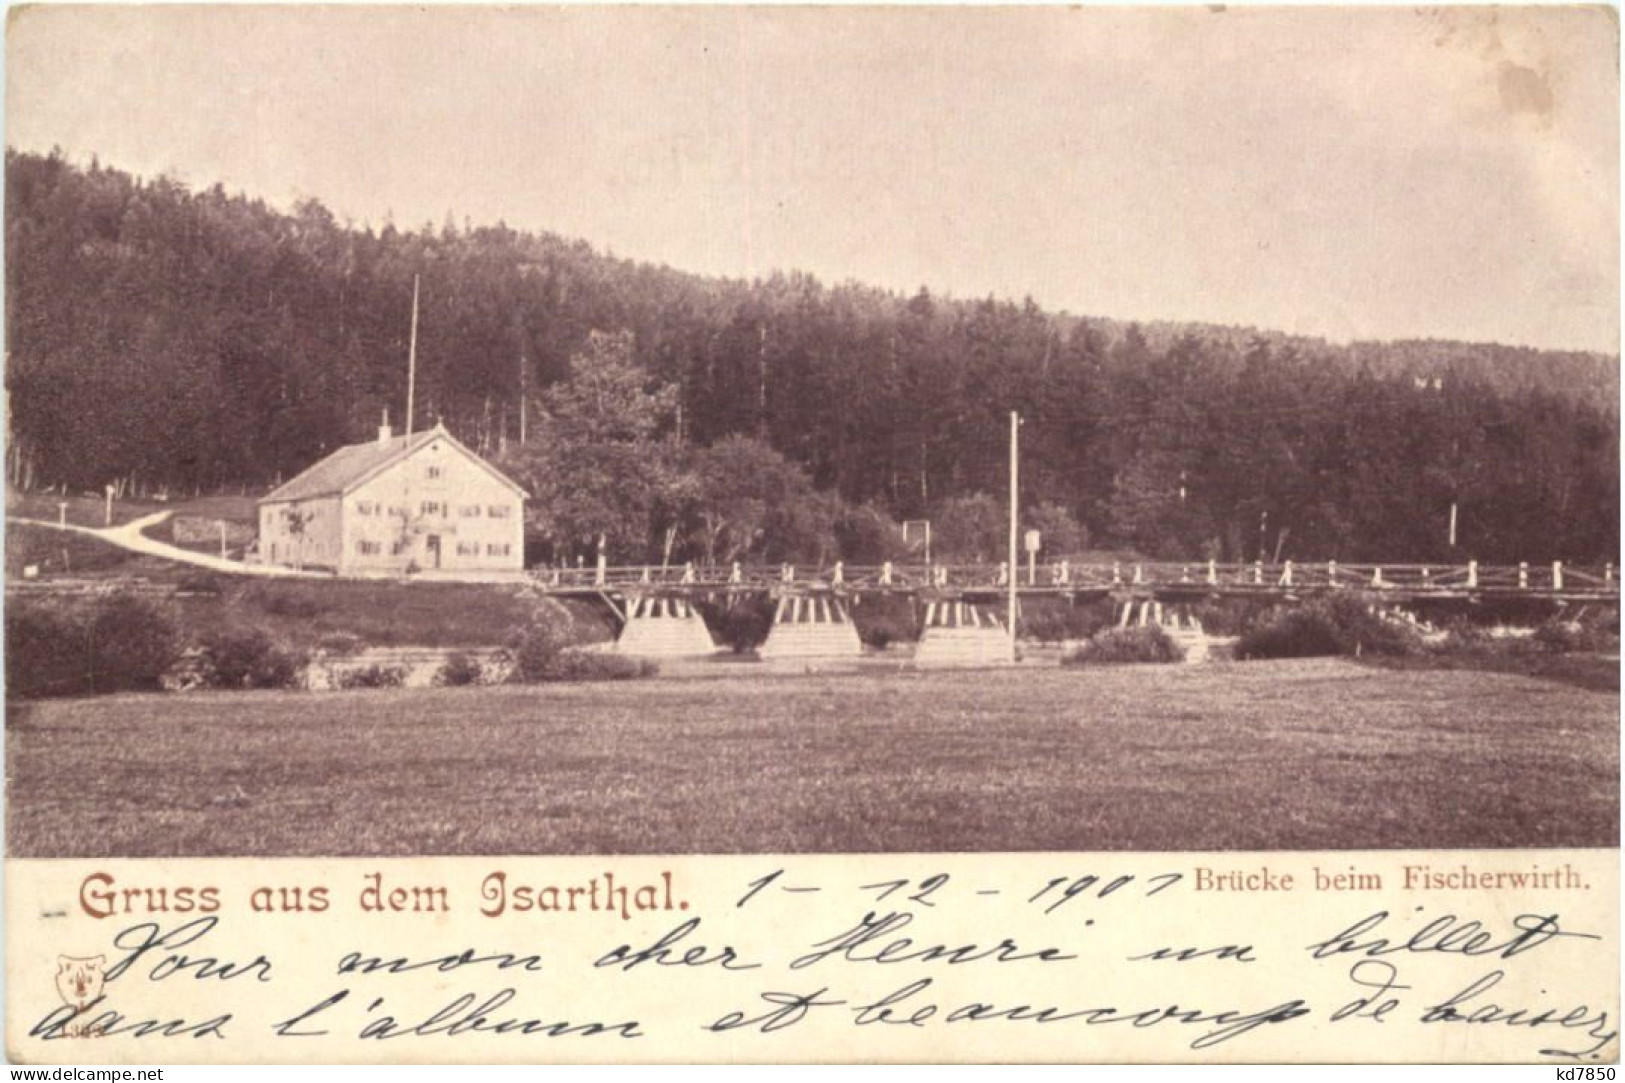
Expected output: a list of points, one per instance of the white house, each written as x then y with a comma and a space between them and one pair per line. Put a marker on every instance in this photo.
396, 505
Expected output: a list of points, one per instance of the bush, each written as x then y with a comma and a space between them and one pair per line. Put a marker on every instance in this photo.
543, 659
1463, 636
1338, 624
373, 676
1230, 616
460, 669
1297, 632
1053, 622
1147, 643
1566, 637
574, 665
249, 659
130, 643
123, 642
44, 652
743, 625
534, 652
882, 620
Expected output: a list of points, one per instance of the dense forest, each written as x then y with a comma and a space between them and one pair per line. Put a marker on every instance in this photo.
162, 339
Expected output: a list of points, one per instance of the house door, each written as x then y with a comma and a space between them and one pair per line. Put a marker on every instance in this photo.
433, 543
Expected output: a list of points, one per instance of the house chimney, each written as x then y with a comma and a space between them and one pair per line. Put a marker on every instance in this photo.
384, 432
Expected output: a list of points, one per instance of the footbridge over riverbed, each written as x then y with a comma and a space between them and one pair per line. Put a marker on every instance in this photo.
812, 606
1557, 580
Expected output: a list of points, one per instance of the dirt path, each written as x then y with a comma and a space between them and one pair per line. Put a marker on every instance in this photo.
129, 536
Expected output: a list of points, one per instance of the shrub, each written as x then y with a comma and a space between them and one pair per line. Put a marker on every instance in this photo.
1337, 624
543, 653
1296, 632
1229, 616
460, 669
44, 652
1463, 636
574, 665
249, 659
121, 643
1055, 622
1565, 637
373, 676
882, 620
743, 625
534, 652
566, 665
130, 643
1148, 643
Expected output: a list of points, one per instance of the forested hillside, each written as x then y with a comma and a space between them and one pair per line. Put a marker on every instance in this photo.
161, 338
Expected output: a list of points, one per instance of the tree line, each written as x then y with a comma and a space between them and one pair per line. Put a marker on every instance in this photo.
163, 339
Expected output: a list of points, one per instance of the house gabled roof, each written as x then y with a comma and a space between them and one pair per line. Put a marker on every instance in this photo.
353, 464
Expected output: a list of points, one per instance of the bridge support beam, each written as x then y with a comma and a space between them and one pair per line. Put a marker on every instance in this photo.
663, 627
960, 634
811, 626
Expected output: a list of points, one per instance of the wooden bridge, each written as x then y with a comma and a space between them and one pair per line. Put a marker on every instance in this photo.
1556, 581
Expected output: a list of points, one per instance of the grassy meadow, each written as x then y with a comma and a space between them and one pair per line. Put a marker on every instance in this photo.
1300, 754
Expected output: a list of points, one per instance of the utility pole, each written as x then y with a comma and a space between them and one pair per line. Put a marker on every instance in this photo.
521, 397
1015, 494
412, 359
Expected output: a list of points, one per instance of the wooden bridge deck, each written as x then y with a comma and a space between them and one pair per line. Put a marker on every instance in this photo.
1553, 581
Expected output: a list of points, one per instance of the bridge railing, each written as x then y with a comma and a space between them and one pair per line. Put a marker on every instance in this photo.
1062, 575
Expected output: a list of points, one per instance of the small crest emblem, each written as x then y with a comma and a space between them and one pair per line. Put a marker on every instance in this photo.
79, 980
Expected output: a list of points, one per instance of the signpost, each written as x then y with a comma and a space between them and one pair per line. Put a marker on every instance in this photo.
1033, 541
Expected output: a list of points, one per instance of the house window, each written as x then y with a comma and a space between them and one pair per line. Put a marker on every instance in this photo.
368, 548
433, 507
396, 548
499, 511
497, 549
397, 511
469, 511
366, 507
468, 549
433, 472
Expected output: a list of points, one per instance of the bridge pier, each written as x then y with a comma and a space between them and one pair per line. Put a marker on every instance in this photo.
962, 634
811, 626
659, 626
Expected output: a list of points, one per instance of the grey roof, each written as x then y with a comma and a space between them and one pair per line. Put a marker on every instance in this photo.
352, 464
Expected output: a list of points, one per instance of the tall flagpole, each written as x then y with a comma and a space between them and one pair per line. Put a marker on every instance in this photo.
412, 359
1015, 489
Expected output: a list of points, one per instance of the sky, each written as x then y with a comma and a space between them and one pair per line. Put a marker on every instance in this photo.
1342, 172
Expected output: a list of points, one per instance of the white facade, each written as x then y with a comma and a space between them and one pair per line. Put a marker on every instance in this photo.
400, 506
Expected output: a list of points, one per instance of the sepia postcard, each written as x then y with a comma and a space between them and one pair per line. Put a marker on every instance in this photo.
782, 534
